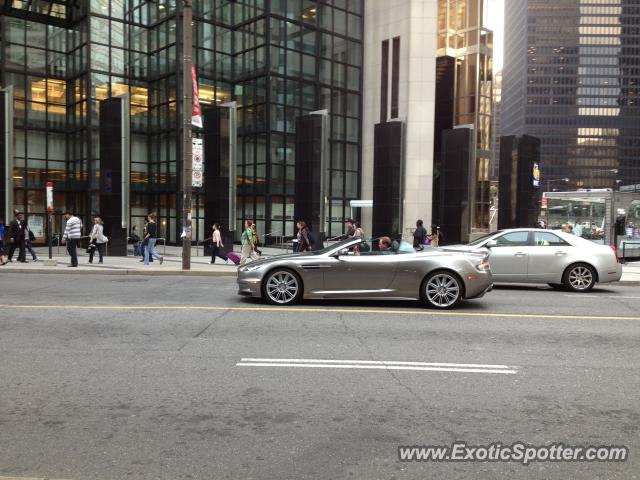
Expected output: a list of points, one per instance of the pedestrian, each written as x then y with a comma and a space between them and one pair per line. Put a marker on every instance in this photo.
303, 236
71, 236
152, 237
134, 238
577, 228
3, 252
350, 230
144, 242
436, 238
16, 237
358, 231
256, 239
29, 238
248, 252
97, 240
419, 236
216, 245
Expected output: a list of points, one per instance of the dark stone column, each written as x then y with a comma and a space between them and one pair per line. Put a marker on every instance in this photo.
216, 175
387, 180
455, 185
113, 143
310, 171
519, 199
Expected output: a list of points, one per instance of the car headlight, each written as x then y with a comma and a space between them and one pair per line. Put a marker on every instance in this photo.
484, 265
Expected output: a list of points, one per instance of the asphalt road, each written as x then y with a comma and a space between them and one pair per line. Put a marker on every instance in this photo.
111, 378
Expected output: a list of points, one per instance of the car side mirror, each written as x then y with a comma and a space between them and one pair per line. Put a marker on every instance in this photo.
491, 244
342, 251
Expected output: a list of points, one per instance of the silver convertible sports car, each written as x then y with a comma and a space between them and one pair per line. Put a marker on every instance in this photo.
358, 269
563, 260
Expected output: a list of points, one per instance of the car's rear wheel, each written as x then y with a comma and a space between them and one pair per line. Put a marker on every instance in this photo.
579, 277
282, 287
441, 290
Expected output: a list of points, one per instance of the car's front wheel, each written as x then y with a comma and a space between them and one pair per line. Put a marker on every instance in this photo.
441, 290
579, 277
282, 287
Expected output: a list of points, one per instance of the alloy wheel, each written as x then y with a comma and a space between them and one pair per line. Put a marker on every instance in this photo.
442, 290
580, 278
282, 287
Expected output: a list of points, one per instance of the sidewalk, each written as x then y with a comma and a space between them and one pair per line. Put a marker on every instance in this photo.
172, 264
631, 272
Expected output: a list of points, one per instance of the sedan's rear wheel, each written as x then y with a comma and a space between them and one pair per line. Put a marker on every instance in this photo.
441, 290
282, 287
579, 277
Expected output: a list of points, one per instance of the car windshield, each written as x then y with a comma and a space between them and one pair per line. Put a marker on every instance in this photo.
483, 238
333, 246
369, 246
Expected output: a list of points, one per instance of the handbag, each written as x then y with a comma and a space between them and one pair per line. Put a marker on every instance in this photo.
91, 247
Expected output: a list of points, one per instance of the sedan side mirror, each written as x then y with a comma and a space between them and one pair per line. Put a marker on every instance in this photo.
491, 244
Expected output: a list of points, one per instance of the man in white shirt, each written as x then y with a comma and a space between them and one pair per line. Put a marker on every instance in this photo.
72, 234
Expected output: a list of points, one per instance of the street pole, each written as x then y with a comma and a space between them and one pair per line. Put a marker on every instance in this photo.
187, 108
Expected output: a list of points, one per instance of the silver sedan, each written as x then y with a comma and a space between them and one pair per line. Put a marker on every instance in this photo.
357, 269
527, 255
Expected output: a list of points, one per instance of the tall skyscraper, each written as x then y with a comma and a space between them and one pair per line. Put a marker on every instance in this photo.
571, 77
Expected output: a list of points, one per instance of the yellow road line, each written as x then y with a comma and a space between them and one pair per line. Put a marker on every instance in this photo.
448, 313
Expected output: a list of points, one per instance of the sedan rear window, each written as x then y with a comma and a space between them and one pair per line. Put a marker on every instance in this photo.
545, 239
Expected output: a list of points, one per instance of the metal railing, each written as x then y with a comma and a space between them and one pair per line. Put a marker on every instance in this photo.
624, 250
277, 238
198, 244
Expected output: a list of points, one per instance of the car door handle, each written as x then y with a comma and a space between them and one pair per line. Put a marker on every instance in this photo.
561, 253
521, 254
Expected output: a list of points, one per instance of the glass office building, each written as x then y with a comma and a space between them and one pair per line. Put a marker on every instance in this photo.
463, 37
278, 59
572, 79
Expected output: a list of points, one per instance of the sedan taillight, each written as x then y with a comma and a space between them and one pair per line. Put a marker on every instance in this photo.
615, 252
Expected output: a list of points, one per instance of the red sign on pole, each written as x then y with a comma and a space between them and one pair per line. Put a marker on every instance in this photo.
196, 114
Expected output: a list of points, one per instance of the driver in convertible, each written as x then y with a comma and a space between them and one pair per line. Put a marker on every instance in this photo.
386, 246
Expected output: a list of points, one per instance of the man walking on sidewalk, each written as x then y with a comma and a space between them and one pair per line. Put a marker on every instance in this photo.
16, 237
72, 234
151, 237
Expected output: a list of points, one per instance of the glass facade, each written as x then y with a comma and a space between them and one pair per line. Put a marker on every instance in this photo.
573, 80
277, 59
462, 35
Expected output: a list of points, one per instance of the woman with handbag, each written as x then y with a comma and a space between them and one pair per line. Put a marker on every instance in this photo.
304, 237
97, 240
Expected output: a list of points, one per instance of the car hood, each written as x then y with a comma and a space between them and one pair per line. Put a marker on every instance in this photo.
464, 248
276, 258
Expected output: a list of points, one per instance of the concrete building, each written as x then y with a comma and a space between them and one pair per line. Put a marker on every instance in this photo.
399, 86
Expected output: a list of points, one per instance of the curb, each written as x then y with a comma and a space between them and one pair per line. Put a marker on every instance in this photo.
134, 272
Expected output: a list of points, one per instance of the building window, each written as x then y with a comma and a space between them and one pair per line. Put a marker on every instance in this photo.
395, 78
384, 81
